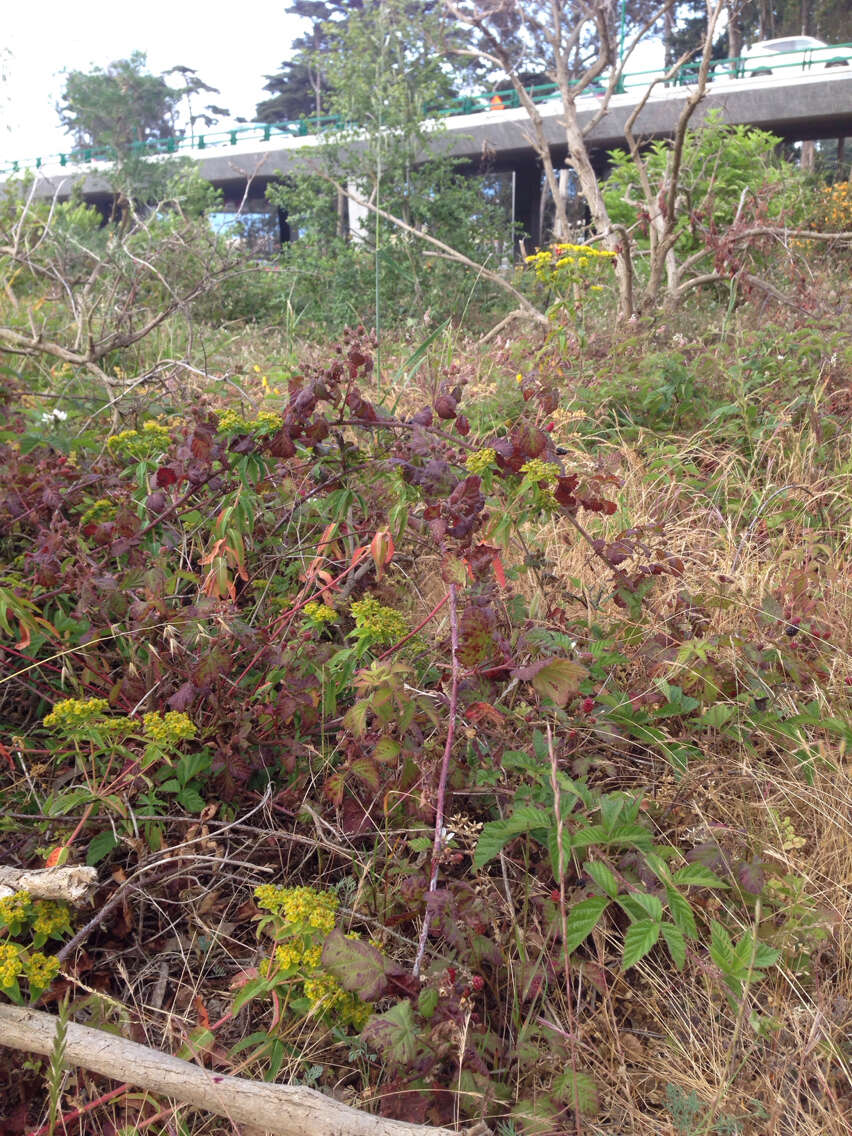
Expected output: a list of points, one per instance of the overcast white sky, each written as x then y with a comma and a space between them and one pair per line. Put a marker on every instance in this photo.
231, 45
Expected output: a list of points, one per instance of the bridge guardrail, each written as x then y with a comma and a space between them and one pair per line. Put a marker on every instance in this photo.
508, 98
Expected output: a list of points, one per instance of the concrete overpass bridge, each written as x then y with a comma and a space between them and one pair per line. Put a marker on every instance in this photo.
797, 105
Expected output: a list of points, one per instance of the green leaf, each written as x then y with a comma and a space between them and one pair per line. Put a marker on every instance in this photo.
427, 1003
765, 956
191, 800
367, 771
721, 947
577, 1091
355, 718
676, 944
715, 716
497, 833
681, 912
387, 750
698, 875
649, 904
393, 1033
603, 877
556, 679
638, 940
582, 920
100, 847
357, 966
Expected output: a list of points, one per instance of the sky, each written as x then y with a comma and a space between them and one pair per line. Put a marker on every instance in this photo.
231, 47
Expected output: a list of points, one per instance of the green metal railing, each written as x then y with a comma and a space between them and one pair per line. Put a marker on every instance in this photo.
810, 60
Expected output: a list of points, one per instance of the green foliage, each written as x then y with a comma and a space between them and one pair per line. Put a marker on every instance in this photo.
113, 107
724, 168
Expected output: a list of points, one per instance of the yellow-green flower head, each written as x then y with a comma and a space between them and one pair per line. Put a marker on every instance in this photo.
231, 422
170, 728
537, 470
301, 906
100, 510
51, 917
320, 612
11, 964
72, 713
382, 624
41, 970
149, 442
480, 461
16, 910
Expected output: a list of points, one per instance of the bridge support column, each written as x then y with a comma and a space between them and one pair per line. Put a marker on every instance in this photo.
527, 205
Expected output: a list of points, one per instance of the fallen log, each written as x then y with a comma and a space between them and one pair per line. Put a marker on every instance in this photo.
72, 883
283, 1110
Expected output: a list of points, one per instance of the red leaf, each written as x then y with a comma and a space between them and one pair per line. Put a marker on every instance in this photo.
166, 476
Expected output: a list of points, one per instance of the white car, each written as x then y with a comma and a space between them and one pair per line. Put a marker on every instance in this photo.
788, 55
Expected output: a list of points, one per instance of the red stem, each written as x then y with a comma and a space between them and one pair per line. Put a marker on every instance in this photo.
76, 1113
419, 627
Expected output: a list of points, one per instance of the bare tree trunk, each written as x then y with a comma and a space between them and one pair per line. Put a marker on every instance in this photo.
284, 1110
808, 158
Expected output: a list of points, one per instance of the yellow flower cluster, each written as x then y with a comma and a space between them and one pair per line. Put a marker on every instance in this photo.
173, 727
15, 909
41, 969
537, 470
264, 382
11, 964
834, 209
563, 264
320, 612
230, 422
304, 906
327, 996
382, 624
480, 461
100, 510
72, 713
149, 442
51, 918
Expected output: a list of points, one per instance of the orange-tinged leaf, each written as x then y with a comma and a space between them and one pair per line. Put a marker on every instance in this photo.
382, 550
499, 571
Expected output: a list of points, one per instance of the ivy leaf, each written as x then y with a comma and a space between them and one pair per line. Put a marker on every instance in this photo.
357, 966
640, 936
583, 919
556, 679
393, 1033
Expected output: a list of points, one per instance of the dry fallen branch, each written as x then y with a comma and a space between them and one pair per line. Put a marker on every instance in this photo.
72, 883
283, 1110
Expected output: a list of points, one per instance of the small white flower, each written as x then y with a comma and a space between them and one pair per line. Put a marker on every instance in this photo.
50, 417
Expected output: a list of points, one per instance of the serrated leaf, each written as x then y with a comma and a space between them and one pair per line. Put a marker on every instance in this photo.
357, 966
497, 833
721, 947
387, 750
393, 1033
698, 875
639, 937
577, 1090
582, 920
556, 679
355, 718
649, 904
681, 912
765, 956
367, 771
603, 876
191, 800
676, 944
100, 847
427, 1003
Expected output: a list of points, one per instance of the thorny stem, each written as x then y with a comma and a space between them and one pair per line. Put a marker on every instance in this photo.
442, 782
